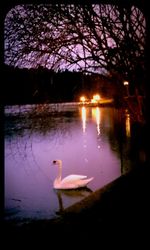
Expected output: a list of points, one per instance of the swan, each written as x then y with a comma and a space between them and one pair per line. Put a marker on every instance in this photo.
70, 181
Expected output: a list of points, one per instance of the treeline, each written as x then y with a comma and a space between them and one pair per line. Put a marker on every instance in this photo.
28, 86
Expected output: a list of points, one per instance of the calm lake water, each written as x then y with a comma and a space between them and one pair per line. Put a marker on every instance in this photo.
89, 141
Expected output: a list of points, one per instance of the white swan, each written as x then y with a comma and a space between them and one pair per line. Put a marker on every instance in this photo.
71, 181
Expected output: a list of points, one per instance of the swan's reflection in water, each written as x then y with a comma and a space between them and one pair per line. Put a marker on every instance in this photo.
74, 194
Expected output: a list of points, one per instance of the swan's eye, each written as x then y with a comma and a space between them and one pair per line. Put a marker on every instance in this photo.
54, 162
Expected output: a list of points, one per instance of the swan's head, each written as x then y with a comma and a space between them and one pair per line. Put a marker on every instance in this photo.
57, 162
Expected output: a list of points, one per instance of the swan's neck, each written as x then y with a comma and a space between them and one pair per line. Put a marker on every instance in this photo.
58, 178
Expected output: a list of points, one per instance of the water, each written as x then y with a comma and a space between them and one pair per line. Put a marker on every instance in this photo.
85, 139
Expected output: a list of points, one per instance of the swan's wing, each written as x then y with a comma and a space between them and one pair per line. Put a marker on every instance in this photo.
75, 183
83, 183
73, 177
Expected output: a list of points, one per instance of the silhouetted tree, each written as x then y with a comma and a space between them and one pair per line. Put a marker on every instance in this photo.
85, 37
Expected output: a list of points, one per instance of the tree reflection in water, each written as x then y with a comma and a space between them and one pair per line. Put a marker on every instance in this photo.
75, 195
42, 119
24, 122
102, 142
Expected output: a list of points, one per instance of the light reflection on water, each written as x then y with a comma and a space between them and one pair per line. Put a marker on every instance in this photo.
80, 137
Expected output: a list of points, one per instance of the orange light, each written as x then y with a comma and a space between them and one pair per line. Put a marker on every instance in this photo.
126, 83
82, 98
96, 98
93, 101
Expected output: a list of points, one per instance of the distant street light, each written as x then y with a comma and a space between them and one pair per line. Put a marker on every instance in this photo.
126, 84
96, 98
82, 99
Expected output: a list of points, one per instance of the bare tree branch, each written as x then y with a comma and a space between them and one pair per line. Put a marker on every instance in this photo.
82, 37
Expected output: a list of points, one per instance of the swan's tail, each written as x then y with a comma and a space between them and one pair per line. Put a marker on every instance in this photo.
90, 179
83, 183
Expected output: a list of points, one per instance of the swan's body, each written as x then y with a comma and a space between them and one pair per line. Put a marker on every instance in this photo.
71, 181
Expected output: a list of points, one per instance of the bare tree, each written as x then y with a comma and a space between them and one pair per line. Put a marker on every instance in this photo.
97, 38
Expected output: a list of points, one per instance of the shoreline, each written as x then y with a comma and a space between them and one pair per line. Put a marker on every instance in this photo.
116, 204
